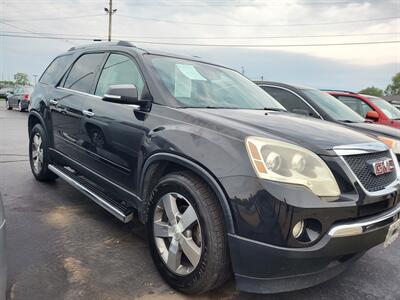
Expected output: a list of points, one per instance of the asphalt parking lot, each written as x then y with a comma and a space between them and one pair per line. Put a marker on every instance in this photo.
63, 246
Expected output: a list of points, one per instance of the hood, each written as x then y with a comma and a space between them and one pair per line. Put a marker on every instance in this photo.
316, 135
375, 130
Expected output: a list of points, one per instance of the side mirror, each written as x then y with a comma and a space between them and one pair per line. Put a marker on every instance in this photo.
123, 94
126, 94
372, 115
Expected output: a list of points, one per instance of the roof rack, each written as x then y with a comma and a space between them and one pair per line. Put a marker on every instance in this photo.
343, 91
119, 43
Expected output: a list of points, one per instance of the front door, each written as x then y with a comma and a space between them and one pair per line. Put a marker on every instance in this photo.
114, 133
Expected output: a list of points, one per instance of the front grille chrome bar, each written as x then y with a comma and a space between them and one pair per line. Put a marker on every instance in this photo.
365, 225
363, 148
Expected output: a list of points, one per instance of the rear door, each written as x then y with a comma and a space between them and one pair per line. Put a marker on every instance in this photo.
114, 133
13, 99
67, 103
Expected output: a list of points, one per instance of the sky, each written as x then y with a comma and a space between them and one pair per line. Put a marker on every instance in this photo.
336, 44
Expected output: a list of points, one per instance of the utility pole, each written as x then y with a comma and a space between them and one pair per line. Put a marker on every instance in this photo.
35, 76
110, 11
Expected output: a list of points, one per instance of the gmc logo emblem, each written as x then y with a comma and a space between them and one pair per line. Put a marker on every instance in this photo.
382, 166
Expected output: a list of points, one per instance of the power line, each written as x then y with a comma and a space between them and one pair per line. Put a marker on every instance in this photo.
270, 45
122, 37
218, 3
219, 45
55, 18
263, 37
259, 25
25, 30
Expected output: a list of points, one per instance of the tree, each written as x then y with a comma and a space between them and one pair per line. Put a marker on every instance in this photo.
6, 83
394, 87
373, 91
21, 79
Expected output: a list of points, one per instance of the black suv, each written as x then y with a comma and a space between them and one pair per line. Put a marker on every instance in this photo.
223, 178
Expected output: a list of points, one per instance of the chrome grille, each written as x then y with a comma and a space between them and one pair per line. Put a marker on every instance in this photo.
362, 169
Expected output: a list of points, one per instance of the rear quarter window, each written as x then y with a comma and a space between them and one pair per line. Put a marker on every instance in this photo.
55, 70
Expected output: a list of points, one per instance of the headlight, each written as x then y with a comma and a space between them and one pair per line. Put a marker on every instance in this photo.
284, 162
391, 143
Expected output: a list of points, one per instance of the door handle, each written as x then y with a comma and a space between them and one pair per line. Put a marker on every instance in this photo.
88, 113
53, 102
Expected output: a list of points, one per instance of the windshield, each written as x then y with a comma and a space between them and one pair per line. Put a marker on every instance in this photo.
201, 85
28, 89
388, 109
333, 107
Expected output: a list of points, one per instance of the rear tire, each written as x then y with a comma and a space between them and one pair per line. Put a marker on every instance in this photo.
39, 155
206, 236
8, 105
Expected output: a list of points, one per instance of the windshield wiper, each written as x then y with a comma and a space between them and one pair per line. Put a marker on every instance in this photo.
347, 121
274, 109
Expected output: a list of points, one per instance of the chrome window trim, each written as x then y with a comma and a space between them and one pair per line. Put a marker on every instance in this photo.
365, 148
79, 92
112, 96
297, 95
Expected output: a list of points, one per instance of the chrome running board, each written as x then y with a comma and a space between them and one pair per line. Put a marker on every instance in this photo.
121, 212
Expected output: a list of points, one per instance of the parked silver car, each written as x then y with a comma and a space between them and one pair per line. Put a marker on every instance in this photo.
19, 98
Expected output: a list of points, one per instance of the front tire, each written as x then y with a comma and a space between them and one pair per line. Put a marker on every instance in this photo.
186, 232
39, 155
20, 106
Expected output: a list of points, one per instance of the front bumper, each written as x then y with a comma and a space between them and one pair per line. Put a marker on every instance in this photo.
265, 268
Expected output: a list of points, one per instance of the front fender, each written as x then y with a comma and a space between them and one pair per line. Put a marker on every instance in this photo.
198, 170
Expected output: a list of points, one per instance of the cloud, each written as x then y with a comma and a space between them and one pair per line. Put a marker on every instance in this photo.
350, 66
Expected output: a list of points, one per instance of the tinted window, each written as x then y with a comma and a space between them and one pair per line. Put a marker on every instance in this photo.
55, 70
27, 90
289, 100
18, 90
82, 74
197, 84
388, 109
119, 69
356, 104
332, 106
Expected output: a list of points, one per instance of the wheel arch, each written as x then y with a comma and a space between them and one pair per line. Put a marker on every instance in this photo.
160, 164
36, 118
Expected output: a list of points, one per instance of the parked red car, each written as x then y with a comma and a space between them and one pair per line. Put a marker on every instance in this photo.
370, 107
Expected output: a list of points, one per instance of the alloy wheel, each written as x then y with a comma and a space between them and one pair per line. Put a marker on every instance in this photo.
177, 233
37, 152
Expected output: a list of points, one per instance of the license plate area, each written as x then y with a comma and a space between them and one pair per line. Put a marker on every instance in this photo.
393, 233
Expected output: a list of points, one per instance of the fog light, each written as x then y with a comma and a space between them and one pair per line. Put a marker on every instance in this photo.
298, 229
